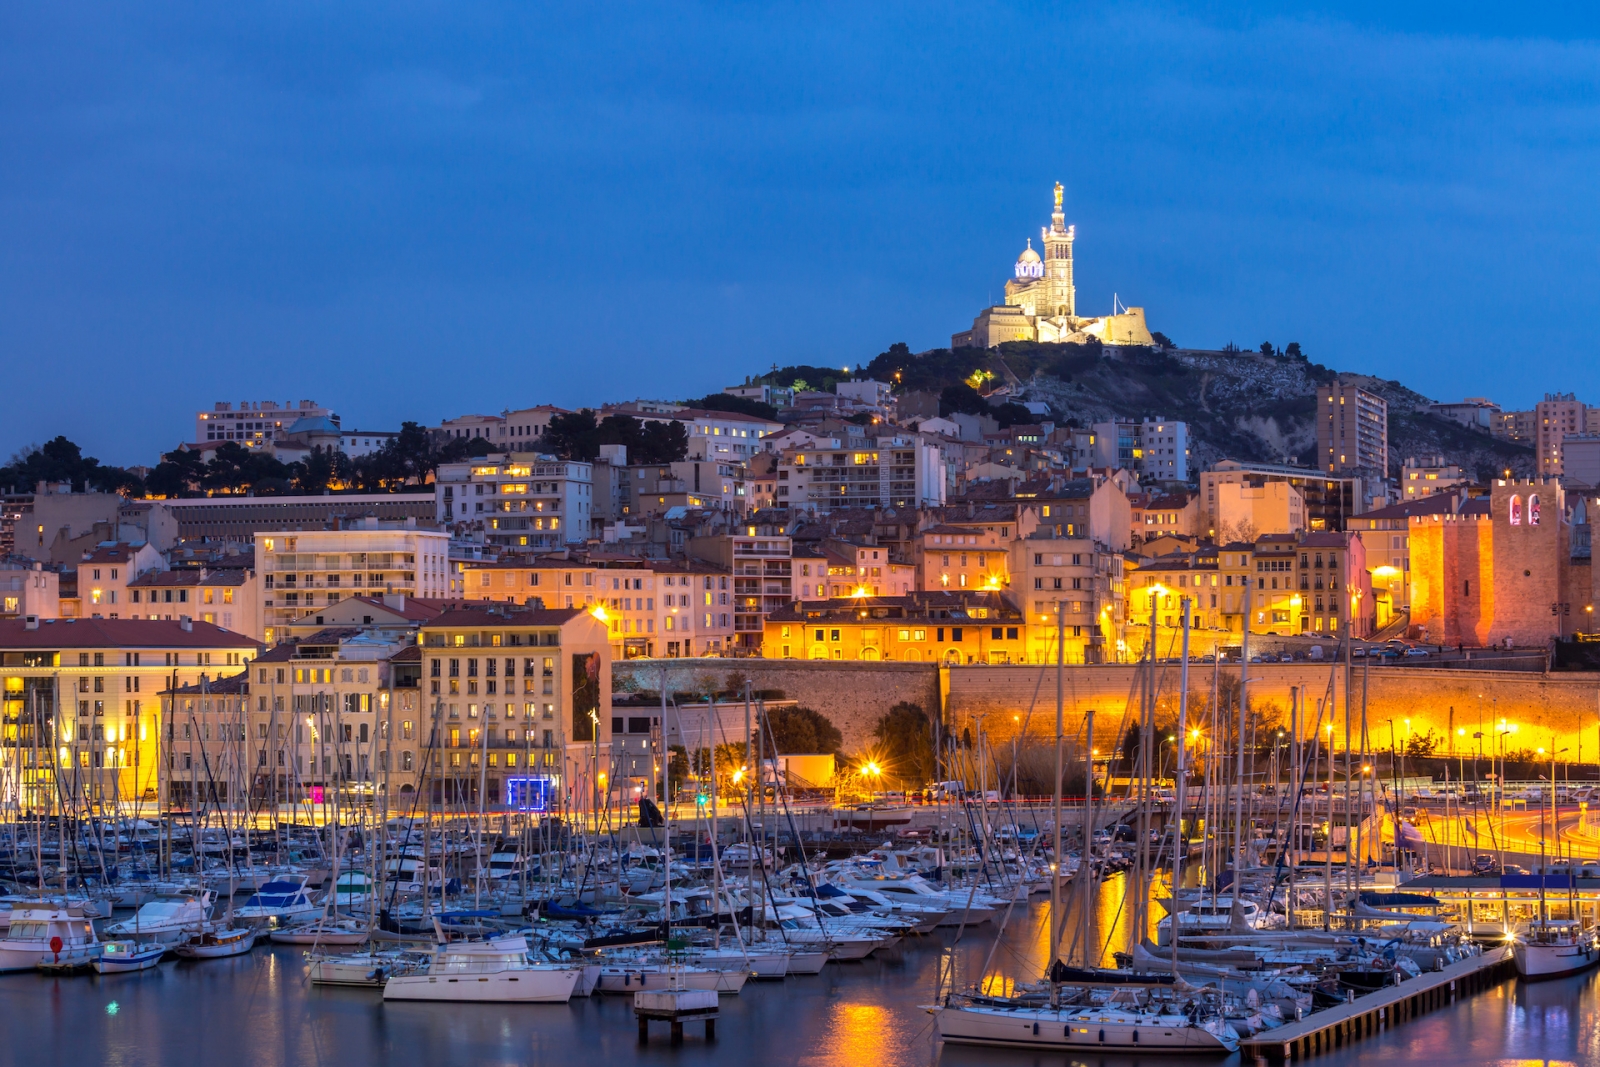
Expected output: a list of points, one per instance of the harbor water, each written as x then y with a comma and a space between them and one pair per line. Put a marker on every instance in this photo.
260, 1011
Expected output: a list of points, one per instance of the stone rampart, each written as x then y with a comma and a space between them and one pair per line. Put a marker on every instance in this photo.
1549, 711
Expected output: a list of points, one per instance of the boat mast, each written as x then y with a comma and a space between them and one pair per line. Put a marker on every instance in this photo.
1180, 774
1058, 865
1244, 703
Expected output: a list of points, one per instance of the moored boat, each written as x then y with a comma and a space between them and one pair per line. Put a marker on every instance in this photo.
118, 957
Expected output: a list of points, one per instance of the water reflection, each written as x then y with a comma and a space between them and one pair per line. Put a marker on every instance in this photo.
258, 1011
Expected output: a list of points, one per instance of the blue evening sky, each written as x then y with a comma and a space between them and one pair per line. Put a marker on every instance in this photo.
419, 210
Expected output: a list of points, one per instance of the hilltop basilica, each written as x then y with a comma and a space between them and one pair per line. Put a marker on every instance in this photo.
1042, 303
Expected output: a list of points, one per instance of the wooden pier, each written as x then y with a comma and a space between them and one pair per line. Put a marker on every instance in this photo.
1338, 1026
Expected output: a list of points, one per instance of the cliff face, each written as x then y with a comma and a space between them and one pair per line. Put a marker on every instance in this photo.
1239, 405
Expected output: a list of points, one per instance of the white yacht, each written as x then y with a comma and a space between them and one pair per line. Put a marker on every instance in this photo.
33, 926
1554, 949
166, 921
279, 904
496, 971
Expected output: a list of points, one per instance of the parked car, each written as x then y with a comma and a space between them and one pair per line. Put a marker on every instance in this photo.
1415, 653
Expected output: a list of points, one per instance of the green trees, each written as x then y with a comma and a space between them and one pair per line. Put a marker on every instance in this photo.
580, 434
802, 730
905, 738
59, 460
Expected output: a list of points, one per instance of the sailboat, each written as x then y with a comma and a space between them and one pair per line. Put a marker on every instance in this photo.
1553, 948
1101, 1010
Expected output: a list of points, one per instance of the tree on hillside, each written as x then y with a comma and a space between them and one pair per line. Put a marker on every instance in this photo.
580, 434
743, 405
802, 730
803, 376
962, 398
1162, 340
60, 460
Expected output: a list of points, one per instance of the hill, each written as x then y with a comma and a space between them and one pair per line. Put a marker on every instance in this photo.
1238, 404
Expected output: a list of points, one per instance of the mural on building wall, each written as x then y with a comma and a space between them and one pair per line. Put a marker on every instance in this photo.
585, 695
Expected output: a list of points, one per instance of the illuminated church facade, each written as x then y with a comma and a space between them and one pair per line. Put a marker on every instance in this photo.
1042, 302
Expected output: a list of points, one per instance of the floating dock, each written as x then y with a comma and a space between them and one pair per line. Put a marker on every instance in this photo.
1338, 1026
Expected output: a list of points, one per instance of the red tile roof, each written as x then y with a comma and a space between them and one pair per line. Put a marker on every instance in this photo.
118, 633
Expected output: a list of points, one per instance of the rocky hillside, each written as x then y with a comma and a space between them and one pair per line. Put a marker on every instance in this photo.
1239, 405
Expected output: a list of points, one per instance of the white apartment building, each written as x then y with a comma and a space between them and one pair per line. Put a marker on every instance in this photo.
298, 570
255, 422
1155, 449
900, 471
518, 500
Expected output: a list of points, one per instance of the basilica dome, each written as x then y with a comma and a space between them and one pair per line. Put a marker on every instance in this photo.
1028, 264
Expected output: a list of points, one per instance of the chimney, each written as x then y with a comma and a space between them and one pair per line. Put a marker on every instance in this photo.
536, 603
397, 601
186, 624
30, 622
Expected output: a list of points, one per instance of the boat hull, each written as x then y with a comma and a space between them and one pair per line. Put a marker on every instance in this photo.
1035, 1028
507, 987
1536, 961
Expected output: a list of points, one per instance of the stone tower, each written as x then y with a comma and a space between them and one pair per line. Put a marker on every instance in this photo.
1060, 296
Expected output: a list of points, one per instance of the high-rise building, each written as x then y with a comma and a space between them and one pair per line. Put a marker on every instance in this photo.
1352, 430
1556, 416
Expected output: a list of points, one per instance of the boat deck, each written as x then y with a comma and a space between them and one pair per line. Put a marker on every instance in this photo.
1338, 1026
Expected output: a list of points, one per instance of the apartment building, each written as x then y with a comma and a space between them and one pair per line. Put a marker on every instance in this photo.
104, 573
951, 557
1329, 499
1352, 430
522, 698
255, 423
332, 717
1161, 514
951, 628
1155, 449
1156, 592
226, 598
1071, 581
655, 489
1428, 475
26, 588
845, 568
298, 571
888, 471
517, 500
1556, 417
558, 583
390, 616
521, 430
1255, 506
696, 609
761, 564
81, 702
